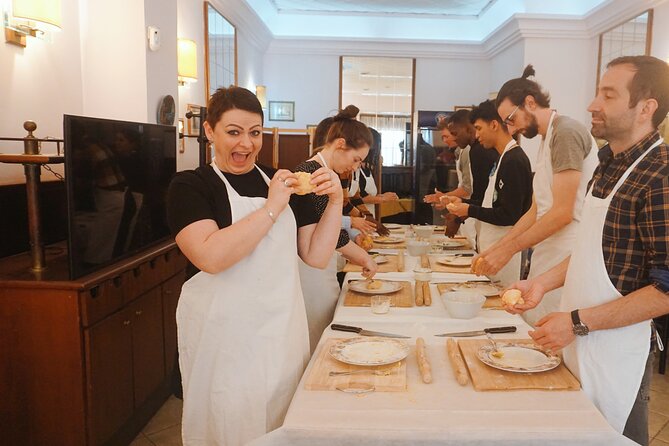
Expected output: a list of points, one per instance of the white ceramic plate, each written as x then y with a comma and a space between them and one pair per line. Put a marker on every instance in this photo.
487, 289
450, 244
455, 261
519, 358
392, 226
380, 259
388, 240
360, 286
369, 351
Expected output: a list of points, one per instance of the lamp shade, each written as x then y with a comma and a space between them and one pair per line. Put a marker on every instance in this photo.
187, 60
261, 93
43, 11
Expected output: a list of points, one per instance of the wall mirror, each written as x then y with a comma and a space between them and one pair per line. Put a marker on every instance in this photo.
220, 50
632, 38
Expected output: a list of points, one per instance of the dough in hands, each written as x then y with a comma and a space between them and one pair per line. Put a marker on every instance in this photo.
303, 185
451, 206
512, 297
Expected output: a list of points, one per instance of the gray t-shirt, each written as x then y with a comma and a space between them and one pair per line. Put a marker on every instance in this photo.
463, 164
570, 144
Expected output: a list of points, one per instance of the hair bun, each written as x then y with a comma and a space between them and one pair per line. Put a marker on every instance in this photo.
350, 112
528, 71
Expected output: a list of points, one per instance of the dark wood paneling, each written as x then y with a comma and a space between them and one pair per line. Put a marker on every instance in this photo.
265, 154
41, 368
293, 149
14, 222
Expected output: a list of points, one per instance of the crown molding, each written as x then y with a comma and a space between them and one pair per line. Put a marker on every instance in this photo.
246, 21
615, 12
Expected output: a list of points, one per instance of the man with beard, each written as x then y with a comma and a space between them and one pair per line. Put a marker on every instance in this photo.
566, 159
617, 278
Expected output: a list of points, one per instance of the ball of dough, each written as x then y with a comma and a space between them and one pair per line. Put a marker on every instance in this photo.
451, 206
303, 185
512, 297
367, 242
374, 285
477, 264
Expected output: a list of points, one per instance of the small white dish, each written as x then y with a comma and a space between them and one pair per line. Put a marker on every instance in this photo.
417, 247
424, 231
362, 286
369, 351
463, 304
455, 261
517, 357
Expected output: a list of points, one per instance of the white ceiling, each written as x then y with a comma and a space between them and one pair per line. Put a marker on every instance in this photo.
468, 21
472, 8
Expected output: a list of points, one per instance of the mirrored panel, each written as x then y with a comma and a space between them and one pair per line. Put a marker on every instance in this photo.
631, 38
220, 50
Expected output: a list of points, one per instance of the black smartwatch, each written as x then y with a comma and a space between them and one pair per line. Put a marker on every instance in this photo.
579, 328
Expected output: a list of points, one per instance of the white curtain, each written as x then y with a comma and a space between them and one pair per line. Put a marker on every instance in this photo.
393, 132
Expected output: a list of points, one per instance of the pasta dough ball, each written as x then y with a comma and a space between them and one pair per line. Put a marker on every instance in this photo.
303, 185
374, 285
512, 297
451, 206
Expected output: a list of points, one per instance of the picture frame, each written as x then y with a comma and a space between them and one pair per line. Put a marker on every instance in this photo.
193, 126
281, 110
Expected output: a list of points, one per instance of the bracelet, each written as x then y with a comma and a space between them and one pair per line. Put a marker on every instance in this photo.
270, 214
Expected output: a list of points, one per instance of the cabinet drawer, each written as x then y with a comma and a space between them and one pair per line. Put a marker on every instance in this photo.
103, 299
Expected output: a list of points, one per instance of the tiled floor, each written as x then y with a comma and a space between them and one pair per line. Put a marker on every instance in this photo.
164, 429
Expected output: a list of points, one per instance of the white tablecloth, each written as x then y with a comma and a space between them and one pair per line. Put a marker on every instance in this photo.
443, 412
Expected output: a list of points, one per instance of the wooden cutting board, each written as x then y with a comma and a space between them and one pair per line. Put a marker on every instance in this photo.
440, 268
319, 378
388, 267
491, 302
400, 298
485, 377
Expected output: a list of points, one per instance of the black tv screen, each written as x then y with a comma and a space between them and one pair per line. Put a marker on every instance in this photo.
117, 176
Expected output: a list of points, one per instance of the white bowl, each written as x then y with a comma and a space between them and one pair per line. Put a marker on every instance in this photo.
463, 304
425, 231
417, 248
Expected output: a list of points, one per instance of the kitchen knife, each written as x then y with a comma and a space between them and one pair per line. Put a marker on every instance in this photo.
362, 332
492, 330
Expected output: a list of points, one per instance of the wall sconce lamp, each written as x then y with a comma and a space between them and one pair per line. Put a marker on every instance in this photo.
33, 18
187, 61
261, 93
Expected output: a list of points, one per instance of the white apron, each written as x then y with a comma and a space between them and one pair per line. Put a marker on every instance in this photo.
609, 363
370, 189
553, 250
242, 336
354, 184
320, 289
488, 234
468, 227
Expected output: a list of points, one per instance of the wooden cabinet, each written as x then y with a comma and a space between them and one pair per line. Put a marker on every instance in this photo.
86, 361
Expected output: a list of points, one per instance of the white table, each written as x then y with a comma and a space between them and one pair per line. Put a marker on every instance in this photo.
443, 412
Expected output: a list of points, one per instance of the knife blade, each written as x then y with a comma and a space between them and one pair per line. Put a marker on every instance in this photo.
465, 334
362, 332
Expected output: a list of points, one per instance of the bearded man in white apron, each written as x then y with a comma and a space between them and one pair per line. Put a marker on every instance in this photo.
565, 162
242, 328
617, 279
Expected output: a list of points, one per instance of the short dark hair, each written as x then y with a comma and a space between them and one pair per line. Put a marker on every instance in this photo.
516, 90
230, 98
344, 125
486, 111
460, 117
650, 81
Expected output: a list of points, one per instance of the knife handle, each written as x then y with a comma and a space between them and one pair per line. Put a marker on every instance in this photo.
511, 329
349, 328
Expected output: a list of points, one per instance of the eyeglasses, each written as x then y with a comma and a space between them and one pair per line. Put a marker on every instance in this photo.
509, 119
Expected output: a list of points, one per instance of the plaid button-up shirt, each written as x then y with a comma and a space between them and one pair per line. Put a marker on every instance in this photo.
635, 241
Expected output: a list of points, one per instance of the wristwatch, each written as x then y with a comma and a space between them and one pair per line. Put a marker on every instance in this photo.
579, 328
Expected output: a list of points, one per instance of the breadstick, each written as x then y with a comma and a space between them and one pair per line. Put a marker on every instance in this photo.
458, 364
419, 293
423, 363
400, 260
424, 261
427, 295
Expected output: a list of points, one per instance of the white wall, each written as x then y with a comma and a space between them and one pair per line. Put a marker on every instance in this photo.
442, 84
660, 44
505, 65
39, 83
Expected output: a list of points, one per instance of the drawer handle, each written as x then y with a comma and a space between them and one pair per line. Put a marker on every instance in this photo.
152, 263
126, 323
117, 281
167, 256
138, 312
136, 271
95, 291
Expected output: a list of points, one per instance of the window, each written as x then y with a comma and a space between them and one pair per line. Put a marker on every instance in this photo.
220, 50
382, 88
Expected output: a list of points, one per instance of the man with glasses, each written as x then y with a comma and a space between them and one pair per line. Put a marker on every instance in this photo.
565, 162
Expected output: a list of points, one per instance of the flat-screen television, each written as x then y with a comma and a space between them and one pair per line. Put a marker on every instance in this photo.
117, 175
